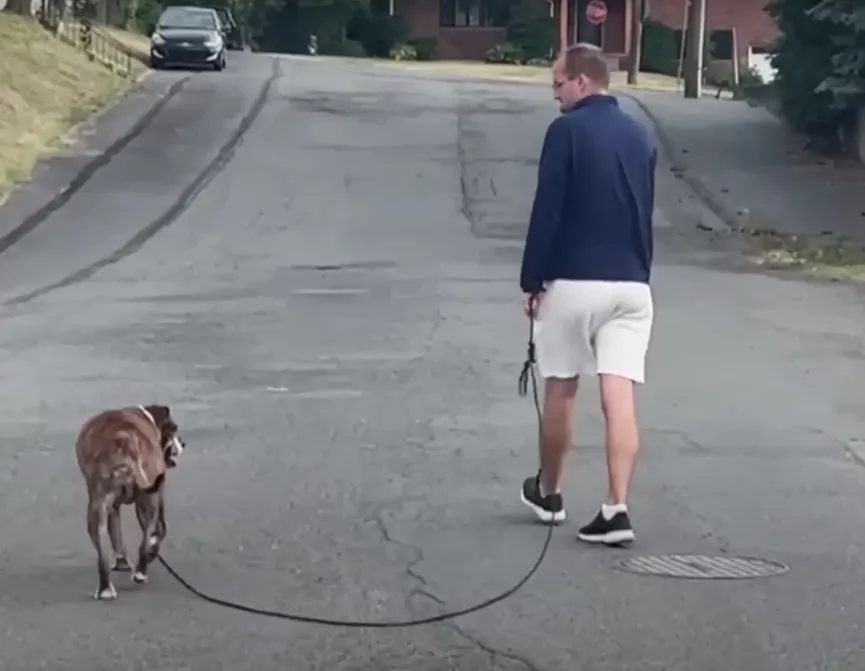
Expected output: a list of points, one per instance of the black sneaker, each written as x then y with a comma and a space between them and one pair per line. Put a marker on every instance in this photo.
549, 508
614, 531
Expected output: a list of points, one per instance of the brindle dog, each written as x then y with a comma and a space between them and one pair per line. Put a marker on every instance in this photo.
124, 455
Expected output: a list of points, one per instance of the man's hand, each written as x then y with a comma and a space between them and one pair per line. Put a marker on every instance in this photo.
531, 304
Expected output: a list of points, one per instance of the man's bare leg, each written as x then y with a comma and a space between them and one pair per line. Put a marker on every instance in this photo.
542, 492
557, 434
612, 526
623, 435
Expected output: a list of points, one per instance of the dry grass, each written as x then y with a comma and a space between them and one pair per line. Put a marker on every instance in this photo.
473, 69
819, 256
647, 81
135, 43
47, 87
526, 73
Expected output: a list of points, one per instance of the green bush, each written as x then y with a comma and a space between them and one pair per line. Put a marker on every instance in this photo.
539, 62
505, 53
531, 30
336, 47
425, 47
377, 32
750, 77
403, 52
658, 51
382, 32
353, 49
145, 15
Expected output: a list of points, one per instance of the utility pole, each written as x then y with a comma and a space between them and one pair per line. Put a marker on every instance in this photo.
638, 14
696, 36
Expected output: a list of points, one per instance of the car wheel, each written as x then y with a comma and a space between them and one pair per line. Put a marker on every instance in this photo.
220, 63
155, 64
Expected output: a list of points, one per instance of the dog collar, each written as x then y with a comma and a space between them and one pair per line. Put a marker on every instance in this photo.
147, 414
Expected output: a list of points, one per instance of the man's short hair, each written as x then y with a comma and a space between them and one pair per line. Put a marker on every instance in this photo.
587, 60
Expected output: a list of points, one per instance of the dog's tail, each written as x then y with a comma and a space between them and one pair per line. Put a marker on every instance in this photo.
144, 482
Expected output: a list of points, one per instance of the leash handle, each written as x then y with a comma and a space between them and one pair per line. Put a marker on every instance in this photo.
525, 374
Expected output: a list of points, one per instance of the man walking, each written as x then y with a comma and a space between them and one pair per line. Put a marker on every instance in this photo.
585, 275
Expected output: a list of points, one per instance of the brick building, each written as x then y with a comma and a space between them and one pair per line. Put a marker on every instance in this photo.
466, 29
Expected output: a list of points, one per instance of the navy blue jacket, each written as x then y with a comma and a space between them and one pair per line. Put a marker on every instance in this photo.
592, 215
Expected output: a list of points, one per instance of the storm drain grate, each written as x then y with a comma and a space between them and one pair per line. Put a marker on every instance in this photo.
701, 567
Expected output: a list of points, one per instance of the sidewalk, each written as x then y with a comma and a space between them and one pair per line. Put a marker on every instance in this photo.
753, 172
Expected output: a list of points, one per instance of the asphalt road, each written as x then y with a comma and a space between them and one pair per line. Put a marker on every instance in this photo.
335, 321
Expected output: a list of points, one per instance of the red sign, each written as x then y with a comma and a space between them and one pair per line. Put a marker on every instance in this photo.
596, 11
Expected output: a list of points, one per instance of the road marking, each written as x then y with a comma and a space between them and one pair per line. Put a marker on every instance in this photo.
329, 394
330, 292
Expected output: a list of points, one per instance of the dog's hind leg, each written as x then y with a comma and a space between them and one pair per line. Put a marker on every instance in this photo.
161, 526
97, 528
147, 511
121, 563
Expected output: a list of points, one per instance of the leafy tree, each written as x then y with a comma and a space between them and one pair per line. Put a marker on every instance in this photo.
279, 27
820, 60
847, 81
143, 14
328, 19
530, 28
376, 30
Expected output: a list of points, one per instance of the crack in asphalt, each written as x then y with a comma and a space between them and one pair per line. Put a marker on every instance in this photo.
422, 589
418, 558
467, 197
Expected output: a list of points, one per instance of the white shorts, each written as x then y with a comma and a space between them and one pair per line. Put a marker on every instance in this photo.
589, 327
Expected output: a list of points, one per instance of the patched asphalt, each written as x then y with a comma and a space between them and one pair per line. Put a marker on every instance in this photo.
335, 320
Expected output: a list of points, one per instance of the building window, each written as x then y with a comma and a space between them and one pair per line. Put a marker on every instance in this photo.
473, 13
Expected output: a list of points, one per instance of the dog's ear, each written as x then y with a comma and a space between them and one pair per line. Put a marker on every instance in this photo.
160, 413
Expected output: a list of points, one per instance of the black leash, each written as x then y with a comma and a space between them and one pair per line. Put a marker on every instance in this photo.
526, 375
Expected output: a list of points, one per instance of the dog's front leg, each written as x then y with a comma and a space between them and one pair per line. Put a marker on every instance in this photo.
147, 511
121, 563
97, 523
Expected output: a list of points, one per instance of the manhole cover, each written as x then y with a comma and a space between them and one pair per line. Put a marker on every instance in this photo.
701, 567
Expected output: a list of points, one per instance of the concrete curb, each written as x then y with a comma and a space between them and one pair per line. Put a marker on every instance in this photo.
140, 79
726, 215
39, 213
